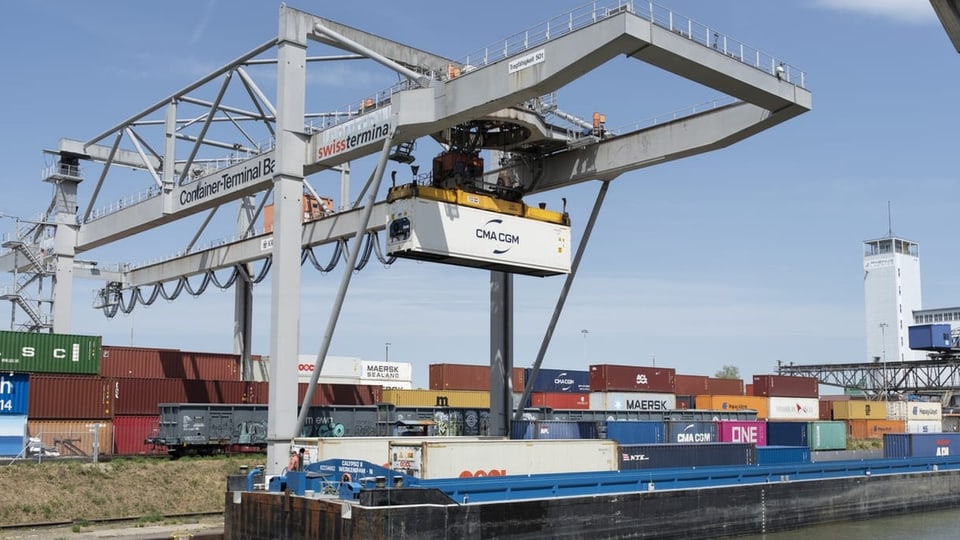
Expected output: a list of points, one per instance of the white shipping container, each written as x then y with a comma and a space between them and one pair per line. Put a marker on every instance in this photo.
924, 426
477, 458
383, 372
402, 385
632, 401
376, 450
791, 408
924, 410
896, 410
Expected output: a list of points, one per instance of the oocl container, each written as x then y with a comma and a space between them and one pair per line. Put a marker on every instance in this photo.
14, 393
785, 386
611, 377
680, 432
632, 401
782, 408
28, 352
735, 403
558, 380
921, 445
827, 435
743, 432
636, 432
660, 456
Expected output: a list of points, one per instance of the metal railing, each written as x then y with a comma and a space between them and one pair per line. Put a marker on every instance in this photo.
677, 115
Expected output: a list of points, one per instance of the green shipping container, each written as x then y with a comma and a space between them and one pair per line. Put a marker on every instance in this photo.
27, 352
828, 435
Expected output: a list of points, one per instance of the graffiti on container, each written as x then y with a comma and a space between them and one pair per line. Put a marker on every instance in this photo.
251, 432
481, 474
365, 429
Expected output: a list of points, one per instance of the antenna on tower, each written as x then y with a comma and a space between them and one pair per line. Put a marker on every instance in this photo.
889, 221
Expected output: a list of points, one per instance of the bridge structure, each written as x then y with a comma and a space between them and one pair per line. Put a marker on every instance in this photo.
222, 141
935, 376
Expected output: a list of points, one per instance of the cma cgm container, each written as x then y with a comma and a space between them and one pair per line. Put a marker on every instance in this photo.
150, 363
660, 456
627, 432
553, 429
14, 393
724, 387
557, 380
743, 432
735, 403
921, 445
466, 377
785, 386
782, 408
69, 397
49, 353
434, 398
680, 432
560, 400
610, 377
632, 401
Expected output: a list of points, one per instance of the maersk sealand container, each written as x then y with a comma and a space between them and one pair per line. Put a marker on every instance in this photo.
27, 352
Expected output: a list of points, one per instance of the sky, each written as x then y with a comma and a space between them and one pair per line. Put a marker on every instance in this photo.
744, 256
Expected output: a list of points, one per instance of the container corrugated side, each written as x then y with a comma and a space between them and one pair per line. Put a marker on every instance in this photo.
341, 394
627, 432
467, 377
67, 397
632, 401
14, 393
897, 410
788, 434
613, 377
73, 437
724, 387
873, 429
560, 400
680, 432
373, 449
437, 398
786, 386
148, 363
777, 455
131, 432
693, 385
141, 396
858, 410
743, 431
897, 445
28, 352
735, 403
662, 456
553, 429
924, 426
828, 435
793, 408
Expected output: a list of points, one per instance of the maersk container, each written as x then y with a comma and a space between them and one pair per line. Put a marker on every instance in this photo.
455, 458
27, 352
792, 408
930, 337
786, 386
901, 445
610, 377
691, 432
826, 435
788, 434
924, 426
553, 429
627, 432
14, 393
778, 455
13, 431
558, 380
743, 432
632, 401
662, 456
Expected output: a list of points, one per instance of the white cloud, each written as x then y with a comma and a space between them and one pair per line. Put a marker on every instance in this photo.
911, 11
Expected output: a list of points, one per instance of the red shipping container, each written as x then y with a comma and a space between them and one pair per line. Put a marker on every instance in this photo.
610, 377
130, 432
560, 400
467, 377
785, 386
692, 385
142, 396
826, 410
724, 387
69, 397
151, 363
749, 389
341, 394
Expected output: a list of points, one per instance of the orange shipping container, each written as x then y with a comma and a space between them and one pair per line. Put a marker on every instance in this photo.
73, 437
312, 209
859, 410
874, 429
735, 403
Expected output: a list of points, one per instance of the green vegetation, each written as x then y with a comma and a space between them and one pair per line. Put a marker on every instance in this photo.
728, 372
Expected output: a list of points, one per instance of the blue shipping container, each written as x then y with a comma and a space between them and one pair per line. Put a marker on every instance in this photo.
788, 434
897, 445
559, 380
14, 391
930, 337
553, 429
13, 431
691, 432
776, 455
663, 456
643, 432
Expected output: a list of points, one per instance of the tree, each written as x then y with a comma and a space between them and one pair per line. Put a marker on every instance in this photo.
728, 372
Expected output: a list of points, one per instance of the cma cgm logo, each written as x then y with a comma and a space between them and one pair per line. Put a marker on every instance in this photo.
563, 381
490, 232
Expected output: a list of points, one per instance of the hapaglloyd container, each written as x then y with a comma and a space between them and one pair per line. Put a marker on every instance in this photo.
874, 429
13, 431
610, 377
661, 456
14, 393
786, 386
921, 445
553, 429
632, 401
472, 458
691, 432
627, 432
924, 426
735, 403
924, 410
791, 408
788, 434
558, 380
742, 432
826, 435
49, 353
859, 410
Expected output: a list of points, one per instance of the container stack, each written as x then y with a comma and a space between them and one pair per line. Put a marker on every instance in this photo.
619, 387
356, 371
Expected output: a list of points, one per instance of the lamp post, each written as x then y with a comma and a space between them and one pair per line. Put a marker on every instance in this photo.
883, 352
386, 351
584, 332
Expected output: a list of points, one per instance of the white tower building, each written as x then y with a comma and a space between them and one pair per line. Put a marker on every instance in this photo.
891, 282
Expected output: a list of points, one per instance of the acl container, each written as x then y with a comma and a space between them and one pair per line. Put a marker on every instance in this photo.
785, 386
921, 445
660, 456
28, 352
606, 377
743, 432
632, 401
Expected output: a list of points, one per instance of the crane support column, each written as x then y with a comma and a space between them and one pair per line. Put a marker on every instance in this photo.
501, 352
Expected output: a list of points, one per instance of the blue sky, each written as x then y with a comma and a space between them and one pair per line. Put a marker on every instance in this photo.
743, 256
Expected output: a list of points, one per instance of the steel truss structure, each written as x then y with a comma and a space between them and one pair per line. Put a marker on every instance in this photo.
934, 376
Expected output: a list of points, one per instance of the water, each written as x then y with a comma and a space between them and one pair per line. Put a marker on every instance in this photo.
940, 525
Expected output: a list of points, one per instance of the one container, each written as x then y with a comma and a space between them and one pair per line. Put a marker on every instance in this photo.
632, 401
873, 429
560, 400
131, 432
778, 455
828, 435
782, 408
735, 403
28, 352
785, 386
743, 432
659, 456
553, 429
788, 434
14, 394
691, 432
610, 377
725, 387
692, 385
858, 410
930, 337
629, 432
921, 445
74, 437
68, 397
924, 426
558, 380
924, 410
435, 398
467, 377
13, 430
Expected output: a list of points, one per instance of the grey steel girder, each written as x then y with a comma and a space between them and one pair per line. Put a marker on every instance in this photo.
917, 376
101, 153
949, 13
